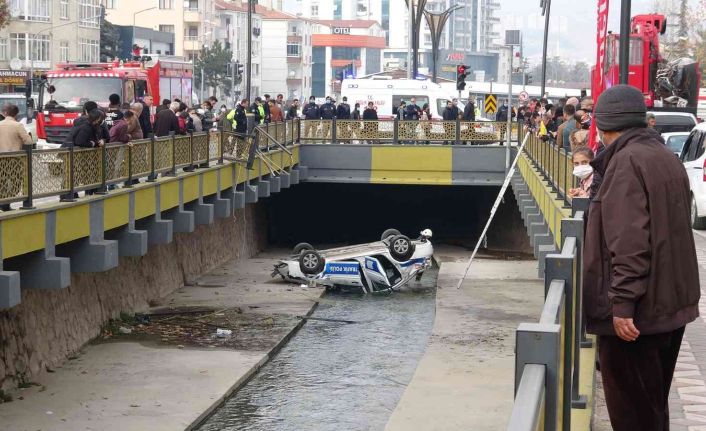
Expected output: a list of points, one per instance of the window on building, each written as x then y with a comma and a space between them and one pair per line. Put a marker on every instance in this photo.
29, 46
88, 50
3, 49
314, 11
192, 32
32, 10
166, 28
294, 50
89, 12
192, 4
64, 51
111, 4
64, 9
166, 4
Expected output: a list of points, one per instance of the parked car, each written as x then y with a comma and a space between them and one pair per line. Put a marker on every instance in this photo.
668, 122
694, 158
675, 141
379, 266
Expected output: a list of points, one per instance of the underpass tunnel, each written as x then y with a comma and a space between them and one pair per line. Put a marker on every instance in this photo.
328, 213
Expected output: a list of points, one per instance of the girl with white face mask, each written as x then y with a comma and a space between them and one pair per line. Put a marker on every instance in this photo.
582, 158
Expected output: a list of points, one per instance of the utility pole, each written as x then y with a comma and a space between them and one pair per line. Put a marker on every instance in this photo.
546, 6
248, 75
624, 48
508, 130
410, 15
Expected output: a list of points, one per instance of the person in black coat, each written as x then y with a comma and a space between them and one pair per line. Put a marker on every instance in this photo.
86, 131
370, 113
241, 118
166, 121
145, 120
469, 112
343, 111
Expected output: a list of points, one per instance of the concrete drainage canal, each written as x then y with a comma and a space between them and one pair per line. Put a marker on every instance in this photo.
334, 375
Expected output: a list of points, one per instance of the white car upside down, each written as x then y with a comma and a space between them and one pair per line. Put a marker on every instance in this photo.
379, 266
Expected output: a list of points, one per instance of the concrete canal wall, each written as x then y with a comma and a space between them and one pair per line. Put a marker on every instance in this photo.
50, 325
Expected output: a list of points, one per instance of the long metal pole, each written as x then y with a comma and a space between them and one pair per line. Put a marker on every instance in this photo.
544, 48
508, 130
248, 74
624, 48
410, 48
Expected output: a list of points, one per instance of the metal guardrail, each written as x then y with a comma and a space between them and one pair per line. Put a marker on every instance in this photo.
553, 162
31, 173
547, 361
394, 131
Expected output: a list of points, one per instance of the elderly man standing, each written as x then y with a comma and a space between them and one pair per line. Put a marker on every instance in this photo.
12, 136
641, 279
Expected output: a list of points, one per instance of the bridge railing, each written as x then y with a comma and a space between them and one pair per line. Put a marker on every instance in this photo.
30, 174
553, 162
554, 342
394, 131
548, 352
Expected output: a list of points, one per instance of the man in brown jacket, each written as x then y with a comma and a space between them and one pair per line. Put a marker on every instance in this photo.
12, 136
641, 280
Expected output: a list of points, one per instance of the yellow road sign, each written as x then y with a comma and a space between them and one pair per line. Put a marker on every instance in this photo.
491, 104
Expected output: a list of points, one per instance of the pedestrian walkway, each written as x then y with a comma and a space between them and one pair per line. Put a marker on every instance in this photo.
688, 398
465, 378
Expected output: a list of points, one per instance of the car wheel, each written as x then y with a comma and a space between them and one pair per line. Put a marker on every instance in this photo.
698, 223
401, 248
388, 233
311, 262
301, 247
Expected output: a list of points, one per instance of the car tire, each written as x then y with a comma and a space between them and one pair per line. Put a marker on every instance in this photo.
401, 248
698, 223
388, 233
301, 247
311, 262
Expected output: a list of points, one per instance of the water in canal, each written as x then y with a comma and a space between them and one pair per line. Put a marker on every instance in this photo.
336, 376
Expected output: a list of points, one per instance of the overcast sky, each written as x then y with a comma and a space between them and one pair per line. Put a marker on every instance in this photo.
572, 33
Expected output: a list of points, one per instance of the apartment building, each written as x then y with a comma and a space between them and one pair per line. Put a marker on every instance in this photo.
193, 22
288, 57
232, 32
42, 33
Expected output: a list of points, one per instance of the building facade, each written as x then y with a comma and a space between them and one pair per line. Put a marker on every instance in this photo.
344, 49
42, 33
288, 57
193, 22
232, 32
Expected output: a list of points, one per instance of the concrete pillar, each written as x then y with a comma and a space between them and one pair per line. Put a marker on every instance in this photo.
251, 193
42, 269
285, 180
131, 242
294, 175
203, 212
222, 201
275, 183
95, 253
9, 284
159, 231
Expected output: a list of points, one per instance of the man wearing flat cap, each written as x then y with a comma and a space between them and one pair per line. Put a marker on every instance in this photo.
640, 274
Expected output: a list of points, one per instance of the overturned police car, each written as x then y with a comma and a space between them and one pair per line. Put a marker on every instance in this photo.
379, 266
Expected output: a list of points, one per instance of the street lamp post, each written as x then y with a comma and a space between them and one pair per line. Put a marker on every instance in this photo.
134, 18
546, 6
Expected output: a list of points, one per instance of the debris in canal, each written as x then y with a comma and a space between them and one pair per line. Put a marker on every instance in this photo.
200, 327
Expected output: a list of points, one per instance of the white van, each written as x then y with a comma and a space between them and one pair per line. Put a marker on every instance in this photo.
387, 94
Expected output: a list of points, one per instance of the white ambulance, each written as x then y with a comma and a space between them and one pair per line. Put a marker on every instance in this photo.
386, 95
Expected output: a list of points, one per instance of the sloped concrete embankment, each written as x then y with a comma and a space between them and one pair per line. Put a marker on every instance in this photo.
51, 325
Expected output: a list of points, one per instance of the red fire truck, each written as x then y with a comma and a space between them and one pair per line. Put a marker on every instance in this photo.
65, 89
669, 85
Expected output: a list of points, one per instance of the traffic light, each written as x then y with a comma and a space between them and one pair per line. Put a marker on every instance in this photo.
238, 72
461, 73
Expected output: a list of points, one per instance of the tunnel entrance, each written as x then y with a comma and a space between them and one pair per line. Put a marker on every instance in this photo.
351, 213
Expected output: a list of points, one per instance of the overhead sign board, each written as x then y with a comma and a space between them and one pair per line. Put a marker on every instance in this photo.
13, 77
491, 104
340, 30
